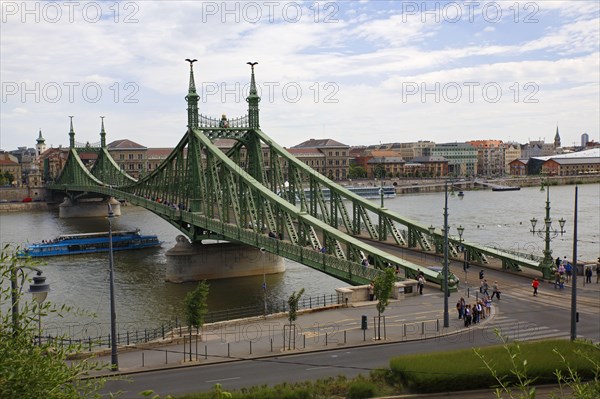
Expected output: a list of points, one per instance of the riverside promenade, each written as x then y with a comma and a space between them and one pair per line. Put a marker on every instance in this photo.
411, 318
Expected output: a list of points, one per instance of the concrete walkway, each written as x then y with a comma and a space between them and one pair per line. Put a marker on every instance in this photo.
408, 319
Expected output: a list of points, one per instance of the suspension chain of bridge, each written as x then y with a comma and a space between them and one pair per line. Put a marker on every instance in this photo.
234, 196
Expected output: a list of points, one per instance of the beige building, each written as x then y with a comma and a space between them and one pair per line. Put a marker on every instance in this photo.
336, 156
10, 170
129, 155
512, 151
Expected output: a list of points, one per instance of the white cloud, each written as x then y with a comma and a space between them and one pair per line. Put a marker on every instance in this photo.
366, 55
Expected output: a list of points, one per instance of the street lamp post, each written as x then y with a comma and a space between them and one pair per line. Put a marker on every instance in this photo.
39, 289
465, 251
574, 281
547, 264
114, 360
446, 292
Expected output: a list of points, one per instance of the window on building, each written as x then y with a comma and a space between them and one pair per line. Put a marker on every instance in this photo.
140, 156
130, 156
121, 157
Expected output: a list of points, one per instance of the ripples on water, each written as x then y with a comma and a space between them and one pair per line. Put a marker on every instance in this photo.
144, 299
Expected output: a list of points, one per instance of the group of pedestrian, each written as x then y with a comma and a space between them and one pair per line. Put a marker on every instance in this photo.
484, 287
474, 313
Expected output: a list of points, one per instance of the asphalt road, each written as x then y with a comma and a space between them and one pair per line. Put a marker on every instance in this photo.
519, 316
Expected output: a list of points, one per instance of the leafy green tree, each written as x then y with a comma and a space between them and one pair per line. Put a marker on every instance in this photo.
29, 369
293, 312
383, 285
196, 307
357, 172
379, 172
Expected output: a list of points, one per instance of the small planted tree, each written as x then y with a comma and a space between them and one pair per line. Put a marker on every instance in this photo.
293, 312
383, 285
196, 307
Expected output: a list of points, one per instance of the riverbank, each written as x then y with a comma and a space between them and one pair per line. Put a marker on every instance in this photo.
415, 186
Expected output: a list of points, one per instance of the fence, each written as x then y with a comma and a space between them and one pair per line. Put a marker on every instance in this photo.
179, 327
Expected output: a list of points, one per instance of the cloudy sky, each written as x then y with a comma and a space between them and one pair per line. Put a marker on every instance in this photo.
358, 72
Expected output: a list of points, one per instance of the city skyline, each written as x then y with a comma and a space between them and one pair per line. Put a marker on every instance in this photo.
357, 72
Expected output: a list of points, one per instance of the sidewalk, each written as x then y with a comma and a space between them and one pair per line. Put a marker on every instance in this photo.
411, 318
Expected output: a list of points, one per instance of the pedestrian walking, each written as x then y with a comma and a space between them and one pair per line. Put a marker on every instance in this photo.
372, 291
488, 305
588, 275
485, 287
495, 290
556, 279
421, 284
460, 308
569, 271
535, 284
598, 271
481, 275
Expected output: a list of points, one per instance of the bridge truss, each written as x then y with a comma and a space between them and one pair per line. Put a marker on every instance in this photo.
258, 194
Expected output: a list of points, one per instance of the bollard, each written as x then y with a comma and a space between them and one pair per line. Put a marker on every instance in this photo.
127, 337
205, 352
304, 341
250, 347
143, 362
404, 330
344, 337
437, 322
325, 339
166, 358
422, 327
271, 344
468, 292
228, 348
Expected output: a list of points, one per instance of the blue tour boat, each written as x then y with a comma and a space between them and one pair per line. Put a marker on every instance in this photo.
73, 244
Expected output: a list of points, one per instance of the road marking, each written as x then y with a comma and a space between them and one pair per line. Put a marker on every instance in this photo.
222, 379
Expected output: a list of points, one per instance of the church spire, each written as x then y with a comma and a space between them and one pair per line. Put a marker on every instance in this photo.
556, 138
192, 98
40, 139
102, 134
253, 99
71, 134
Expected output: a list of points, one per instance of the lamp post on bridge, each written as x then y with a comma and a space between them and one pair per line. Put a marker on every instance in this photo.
547, 264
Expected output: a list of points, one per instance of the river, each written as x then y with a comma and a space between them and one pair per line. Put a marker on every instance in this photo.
144, 299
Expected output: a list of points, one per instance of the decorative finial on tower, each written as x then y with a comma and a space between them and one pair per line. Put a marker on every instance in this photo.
71, 134
192, 98
102, 134
253, 99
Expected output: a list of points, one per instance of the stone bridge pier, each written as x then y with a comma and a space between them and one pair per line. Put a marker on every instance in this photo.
88, 208
208, 261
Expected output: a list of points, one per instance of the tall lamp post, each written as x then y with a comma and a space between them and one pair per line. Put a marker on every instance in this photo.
114, 360
574, 317
446, 291
39, 289
547, 264
465, 251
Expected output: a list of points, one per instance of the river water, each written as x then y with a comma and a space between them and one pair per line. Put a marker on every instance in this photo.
144, 299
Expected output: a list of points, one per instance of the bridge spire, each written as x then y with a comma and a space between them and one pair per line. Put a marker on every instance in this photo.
71, 134
102, 134
253, 99
192, 98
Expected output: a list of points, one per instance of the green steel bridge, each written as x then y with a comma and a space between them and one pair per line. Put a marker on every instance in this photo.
256, 187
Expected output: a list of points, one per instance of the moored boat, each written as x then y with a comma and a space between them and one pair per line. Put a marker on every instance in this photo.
74, 244
365, 192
